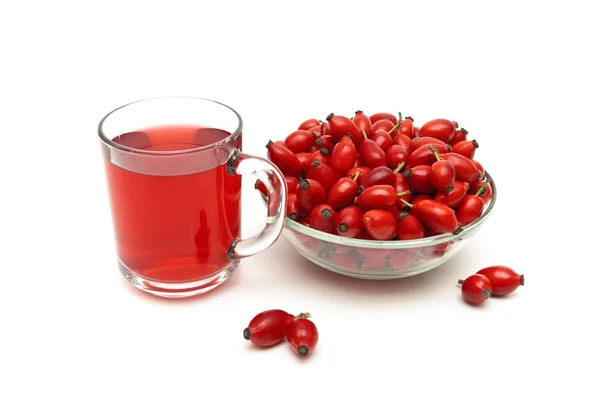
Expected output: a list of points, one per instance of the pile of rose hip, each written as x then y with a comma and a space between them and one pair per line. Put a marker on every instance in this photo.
273, 326
491, 281
381, 177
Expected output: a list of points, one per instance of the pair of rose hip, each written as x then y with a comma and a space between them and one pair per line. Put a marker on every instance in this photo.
381, 177
273, 326
497, 280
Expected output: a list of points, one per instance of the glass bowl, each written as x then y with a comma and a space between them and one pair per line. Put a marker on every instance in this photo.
381, 260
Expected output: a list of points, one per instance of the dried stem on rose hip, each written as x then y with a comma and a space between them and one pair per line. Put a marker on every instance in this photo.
399, 167
397, 126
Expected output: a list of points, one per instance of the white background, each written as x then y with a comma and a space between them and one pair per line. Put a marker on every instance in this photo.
522, 77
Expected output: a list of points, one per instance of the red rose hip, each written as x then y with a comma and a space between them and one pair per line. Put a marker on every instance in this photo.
268, 327
284, 158
343, 156
302, 335
348, 222
322, 218
343, 192
504, 279
476, 289
310, 193
440, 128
300, 141
380, 224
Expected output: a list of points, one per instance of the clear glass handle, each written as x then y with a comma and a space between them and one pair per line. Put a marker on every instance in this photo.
269, 174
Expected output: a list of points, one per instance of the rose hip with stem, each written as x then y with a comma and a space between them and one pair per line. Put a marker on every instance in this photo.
302, 335
453, 198
343, 192
486, 195
371, 155
476, 289
322, 218
504, 279
343, 156
395, 155
435, 215
363, 123
348, 221
442, 173
269, 327
382, 139
424, 156
383, 125
362, 171
466, 171
407, 127
470, 208
379, 197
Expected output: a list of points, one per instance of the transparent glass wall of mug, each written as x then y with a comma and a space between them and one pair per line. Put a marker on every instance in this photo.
173, 170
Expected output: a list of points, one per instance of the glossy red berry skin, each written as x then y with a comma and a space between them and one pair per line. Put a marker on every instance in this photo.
380, 224
300, 141
440, 128
302, 336
504, 280
284, 158
348, 222
322, 218
476, 289
310, 193
268, 327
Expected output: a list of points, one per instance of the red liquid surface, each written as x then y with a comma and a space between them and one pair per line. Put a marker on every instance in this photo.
174, 228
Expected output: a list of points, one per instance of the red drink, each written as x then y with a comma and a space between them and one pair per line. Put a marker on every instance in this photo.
174, 228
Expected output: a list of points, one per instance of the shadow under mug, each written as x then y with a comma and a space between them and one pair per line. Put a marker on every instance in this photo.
173, 170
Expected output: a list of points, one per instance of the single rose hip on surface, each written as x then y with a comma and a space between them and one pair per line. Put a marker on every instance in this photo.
302, 335
476, 289
504, 279
268, 327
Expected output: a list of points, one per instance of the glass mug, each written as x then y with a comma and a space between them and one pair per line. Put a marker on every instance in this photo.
173, 170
